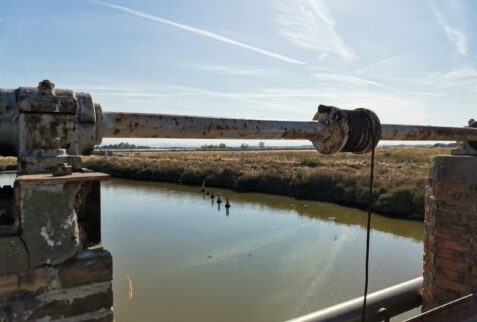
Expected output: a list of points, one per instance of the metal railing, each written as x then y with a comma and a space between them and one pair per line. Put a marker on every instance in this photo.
381, 305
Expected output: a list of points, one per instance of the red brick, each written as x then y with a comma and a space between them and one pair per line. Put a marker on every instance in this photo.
445, 194
455, 246
443, 216
451, 186
473, 242
473, 281
462, 289
454, 275
473, 197
453, 255
474, 259
441, 295
452, 265
455, 205
453, 228
446, 234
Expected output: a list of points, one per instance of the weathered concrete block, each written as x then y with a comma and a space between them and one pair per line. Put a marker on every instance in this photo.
60, 304
454, 169
8, 284
91, 266
30, 281
13, 255
49, 222
79, 289
107, 318
44, 272
33, 280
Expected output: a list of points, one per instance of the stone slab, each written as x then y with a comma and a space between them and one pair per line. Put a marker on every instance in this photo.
90, 266
74, 177
49, 222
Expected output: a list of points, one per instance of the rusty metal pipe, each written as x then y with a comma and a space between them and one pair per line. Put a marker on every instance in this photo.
140, 125
395, 132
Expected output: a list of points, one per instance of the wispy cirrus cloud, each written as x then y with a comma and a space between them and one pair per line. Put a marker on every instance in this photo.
199, 31
309, 24
393, 65
286, 102
463, 79
232, 70
456, 37
346, 80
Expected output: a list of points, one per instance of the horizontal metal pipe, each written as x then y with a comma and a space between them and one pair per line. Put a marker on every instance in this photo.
140, 125
395, 132
395, 300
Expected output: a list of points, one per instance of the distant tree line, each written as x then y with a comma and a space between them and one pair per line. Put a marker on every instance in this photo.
124, 146
223, 146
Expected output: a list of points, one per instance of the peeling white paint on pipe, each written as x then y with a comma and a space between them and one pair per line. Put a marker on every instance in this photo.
397, 132
139, 125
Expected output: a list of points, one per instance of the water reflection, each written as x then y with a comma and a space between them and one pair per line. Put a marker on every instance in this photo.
267, 258
311, 209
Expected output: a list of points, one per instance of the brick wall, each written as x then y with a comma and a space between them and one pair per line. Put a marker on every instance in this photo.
450, 245
76, 290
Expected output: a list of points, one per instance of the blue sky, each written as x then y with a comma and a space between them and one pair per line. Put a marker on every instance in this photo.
413, 62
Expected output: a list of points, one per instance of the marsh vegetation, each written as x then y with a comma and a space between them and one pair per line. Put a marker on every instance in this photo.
341, 178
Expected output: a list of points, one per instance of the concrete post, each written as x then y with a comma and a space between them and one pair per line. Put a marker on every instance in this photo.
52, 265
450, 245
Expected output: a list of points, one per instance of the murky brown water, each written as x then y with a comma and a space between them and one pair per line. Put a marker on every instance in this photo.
270, 259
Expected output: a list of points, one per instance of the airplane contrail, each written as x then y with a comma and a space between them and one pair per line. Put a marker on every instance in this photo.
199, 31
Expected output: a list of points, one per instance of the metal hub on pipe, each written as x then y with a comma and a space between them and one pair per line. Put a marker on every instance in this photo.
355, 131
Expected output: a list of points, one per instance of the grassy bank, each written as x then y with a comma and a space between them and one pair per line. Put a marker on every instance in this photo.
341, 178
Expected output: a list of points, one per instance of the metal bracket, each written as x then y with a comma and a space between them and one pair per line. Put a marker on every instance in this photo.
467, 147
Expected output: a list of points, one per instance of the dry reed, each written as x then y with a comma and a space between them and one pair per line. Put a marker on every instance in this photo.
340, 178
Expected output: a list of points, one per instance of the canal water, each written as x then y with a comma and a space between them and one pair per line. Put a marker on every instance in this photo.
269, 258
